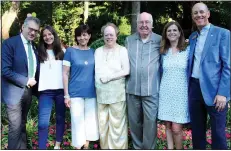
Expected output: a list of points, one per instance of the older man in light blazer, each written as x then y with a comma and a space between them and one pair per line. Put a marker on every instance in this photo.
143, 83
209, 79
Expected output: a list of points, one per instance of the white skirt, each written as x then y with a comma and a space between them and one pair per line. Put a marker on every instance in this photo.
84, 121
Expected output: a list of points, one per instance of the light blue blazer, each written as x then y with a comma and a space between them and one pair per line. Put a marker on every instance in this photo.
214, 65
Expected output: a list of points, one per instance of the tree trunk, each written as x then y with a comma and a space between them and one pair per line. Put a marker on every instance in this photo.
86, 6
8, 18
135, 12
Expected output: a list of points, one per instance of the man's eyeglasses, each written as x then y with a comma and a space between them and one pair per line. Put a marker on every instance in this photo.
32, 29
142, 22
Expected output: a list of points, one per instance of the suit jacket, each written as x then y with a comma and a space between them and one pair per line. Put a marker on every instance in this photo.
214, 65
15, 70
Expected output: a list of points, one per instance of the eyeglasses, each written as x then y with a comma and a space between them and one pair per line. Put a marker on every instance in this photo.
32, 29
145, 21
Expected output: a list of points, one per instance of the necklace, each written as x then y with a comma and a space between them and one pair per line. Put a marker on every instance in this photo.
50, 58
50, 61
106, 53
82, 49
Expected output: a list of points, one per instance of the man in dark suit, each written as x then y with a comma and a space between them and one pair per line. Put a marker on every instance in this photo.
209, 79
19, 71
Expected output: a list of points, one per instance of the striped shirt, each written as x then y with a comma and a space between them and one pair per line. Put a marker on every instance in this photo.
144, 78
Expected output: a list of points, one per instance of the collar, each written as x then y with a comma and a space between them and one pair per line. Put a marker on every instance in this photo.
23, 39
151, 37
204, 29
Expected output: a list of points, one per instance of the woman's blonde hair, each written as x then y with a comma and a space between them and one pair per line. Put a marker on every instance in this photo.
112, 25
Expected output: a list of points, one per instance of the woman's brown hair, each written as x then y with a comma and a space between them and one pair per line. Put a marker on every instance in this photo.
165, 44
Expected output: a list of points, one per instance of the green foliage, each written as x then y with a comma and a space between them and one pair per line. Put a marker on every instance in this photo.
125, 26
5, 5
220, 13
66, 17
100, 42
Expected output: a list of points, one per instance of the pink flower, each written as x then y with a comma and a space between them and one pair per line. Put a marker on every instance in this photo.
164, 135
33, 140
164, 147
34, 147
36, 142
185, 147
228, 135
66, 143
162, 126
158, 125
47, 145
209, 141
95, 146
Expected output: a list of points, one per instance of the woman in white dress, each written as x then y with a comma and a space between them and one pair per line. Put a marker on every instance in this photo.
173, 100
111, 67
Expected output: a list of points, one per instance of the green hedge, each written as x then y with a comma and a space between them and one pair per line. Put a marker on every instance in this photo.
99, 42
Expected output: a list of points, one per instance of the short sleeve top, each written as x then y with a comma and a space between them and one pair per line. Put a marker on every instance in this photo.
82, 72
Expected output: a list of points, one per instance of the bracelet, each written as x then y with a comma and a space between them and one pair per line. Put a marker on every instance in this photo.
66, 96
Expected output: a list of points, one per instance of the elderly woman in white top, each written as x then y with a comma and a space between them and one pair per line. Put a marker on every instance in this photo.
111, 67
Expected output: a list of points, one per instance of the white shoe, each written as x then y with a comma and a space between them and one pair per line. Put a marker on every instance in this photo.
56, 147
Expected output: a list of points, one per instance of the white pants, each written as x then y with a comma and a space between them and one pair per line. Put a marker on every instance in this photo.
84, 121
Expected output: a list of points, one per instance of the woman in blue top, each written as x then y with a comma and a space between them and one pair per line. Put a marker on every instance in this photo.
173, 99
79, 89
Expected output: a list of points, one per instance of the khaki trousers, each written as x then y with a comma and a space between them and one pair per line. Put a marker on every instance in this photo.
113, 127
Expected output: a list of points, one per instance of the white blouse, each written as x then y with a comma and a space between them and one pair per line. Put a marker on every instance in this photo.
113, 64
50, 73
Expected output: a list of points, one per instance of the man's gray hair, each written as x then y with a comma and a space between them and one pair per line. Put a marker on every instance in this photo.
138, 18
31, 18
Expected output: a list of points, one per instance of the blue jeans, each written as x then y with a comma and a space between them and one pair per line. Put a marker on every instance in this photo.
45, 106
